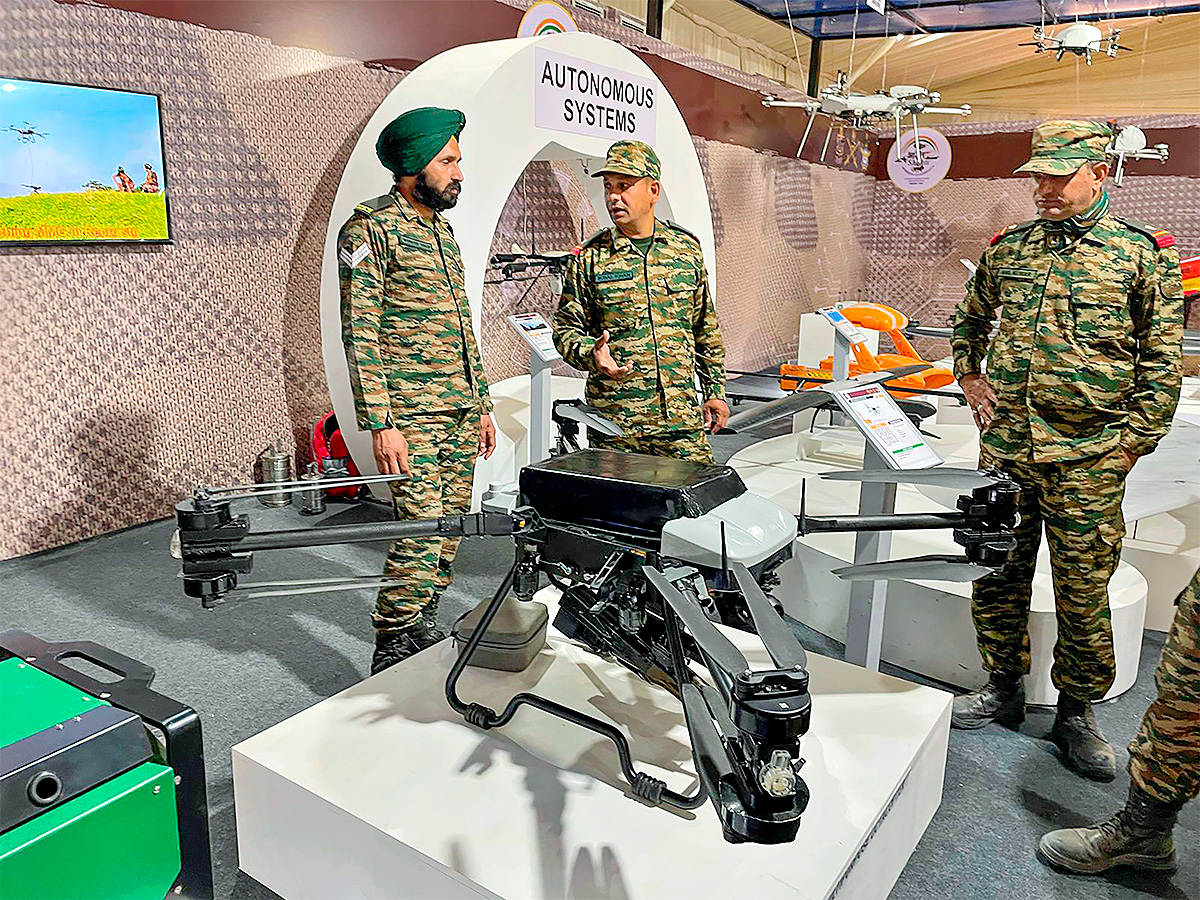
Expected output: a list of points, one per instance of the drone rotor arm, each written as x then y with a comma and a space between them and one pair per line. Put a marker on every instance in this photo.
716, 647
713, 764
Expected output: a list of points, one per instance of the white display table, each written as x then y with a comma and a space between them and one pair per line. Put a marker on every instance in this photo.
927, 626
382, 791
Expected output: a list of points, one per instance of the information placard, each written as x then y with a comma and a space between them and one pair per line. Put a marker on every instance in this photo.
536, 333
888, 429
842, 325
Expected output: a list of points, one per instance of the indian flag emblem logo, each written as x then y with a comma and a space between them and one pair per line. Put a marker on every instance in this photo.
545, 17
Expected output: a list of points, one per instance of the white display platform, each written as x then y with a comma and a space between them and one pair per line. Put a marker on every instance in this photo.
382, 791
927, 624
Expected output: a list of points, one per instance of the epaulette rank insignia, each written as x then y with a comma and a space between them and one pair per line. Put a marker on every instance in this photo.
1164, 239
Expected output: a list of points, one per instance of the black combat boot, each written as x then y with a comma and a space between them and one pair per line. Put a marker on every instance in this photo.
392, 647
1139, 836
1083, 745
1001, 700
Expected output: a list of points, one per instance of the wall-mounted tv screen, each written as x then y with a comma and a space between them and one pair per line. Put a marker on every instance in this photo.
80, 165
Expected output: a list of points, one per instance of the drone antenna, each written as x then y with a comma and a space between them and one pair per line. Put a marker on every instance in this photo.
724, 554
803, 493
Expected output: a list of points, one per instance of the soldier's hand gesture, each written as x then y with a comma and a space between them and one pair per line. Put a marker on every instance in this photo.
980, 397
605, 364
391, 451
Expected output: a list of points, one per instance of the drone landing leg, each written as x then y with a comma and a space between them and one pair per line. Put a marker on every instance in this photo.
644, 786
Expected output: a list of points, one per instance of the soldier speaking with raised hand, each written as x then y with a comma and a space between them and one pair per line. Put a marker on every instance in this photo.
414, 364
1082, 379
636, 314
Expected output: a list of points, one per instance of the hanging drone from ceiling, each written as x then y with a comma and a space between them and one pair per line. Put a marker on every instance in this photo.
1078, 38
861, 110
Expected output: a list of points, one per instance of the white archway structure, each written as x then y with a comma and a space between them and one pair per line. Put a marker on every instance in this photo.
494, 85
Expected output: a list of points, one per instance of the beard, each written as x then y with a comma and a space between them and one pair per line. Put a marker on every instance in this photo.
438, 201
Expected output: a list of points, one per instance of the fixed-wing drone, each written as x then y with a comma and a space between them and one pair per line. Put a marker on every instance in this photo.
1079, 38
860, 110
817, 392
650, 556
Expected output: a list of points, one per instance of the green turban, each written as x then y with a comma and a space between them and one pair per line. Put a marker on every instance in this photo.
412, 140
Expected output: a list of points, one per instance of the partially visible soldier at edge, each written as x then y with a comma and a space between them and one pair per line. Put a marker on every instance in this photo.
1082, 379
415, 369
1164, 767
636, 314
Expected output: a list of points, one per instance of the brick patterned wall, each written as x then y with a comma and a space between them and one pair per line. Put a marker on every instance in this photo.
130, 374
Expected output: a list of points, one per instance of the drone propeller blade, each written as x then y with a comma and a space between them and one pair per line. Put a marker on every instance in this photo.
755, 387
940, 476
779, 640
935, 567
880, 377
708, 750
712, 642
776, 409
587, 415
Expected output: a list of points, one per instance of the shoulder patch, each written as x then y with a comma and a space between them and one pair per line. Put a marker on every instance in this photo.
375, 204
1160, 237
1011, 229
677, 227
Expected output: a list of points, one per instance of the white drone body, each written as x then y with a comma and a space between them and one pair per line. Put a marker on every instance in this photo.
859, 109
1079, 38
1130, 143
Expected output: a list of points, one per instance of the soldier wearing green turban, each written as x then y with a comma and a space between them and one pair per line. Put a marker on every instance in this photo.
414, 364
1080, 380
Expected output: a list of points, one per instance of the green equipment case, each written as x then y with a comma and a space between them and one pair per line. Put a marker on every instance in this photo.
102, 791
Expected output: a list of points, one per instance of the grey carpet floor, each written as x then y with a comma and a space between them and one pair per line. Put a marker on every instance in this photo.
253, 663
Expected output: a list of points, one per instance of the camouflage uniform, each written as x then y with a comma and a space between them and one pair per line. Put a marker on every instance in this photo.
661, 320
1164, 758
1086, 363
414, 364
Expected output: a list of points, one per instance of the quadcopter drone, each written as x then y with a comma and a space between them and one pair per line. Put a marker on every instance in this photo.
651, 555
860, 110
1079, 38
1130, 143
27, 135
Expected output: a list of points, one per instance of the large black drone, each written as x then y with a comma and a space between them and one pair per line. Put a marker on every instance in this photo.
652, 557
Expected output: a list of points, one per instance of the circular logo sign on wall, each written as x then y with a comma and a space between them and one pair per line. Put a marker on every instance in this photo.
915, 171
545, 17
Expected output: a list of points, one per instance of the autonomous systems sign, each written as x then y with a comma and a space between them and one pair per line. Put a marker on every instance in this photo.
582, 97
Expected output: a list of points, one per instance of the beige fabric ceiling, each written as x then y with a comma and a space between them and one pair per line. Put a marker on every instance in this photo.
1001, 81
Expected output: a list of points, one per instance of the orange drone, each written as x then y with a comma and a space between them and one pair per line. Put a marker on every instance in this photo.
876, 317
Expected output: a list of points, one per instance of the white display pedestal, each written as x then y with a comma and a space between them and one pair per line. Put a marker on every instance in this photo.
928, 627
382, 791
510, 398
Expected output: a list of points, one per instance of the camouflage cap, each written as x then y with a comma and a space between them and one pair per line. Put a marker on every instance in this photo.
1062, 147
631, 158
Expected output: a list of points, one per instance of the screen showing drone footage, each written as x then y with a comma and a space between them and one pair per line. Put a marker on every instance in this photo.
80, 165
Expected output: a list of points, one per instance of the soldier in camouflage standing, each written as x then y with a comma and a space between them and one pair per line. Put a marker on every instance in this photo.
1082, 379
414, 365
636, 314
1164, 766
